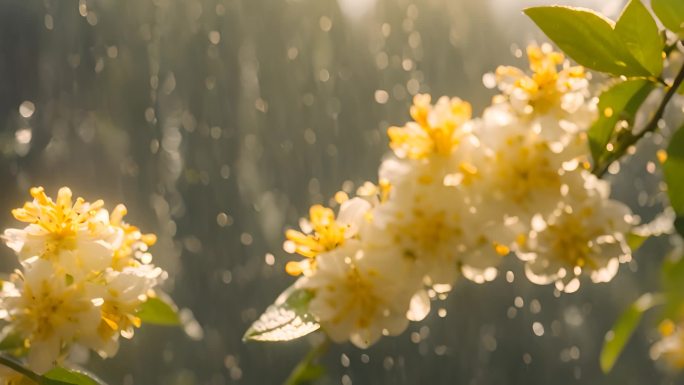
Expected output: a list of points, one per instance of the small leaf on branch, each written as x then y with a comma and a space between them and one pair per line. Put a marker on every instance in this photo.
619, 102
624, 327
588, 38
671, 14
286, 319
673, 286
673, 170
634, 241
637, 29
158, 312
11, 341
61, 376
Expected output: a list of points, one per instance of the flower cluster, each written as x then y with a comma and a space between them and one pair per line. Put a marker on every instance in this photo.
85, 273
459, 194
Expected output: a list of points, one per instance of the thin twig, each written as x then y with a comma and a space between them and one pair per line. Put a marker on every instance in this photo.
19, 368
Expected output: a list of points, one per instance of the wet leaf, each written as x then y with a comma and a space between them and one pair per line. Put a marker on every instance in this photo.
671, 14
619, 102
61, 376
624, 327
637, 29
11, 341
673, 286
158, 312
673, 171
588, 38
634, 241
286, 319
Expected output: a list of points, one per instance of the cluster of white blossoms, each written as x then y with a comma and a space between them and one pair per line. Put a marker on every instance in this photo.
459, 194
85, 273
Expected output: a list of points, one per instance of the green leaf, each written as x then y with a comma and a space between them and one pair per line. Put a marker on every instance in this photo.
60, 376
634, 241
158, 312
620, 102
679, 224
673, 171
588, 38
671, 14
287, 319
624, 327
637, 29
673, 286
11, 341
303, 374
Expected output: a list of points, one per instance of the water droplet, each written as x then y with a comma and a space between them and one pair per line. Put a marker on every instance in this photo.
538, 329
27, 108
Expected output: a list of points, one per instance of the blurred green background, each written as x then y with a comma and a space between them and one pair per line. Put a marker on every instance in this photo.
218, 122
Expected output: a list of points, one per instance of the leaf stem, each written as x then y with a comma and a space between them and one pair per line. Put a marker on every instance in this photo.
602, 165
19, 368
308, 368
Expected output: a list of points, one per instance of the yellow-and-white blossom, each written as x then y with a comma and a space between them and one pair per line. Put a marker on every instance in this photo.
435, 129
121, 293
132, 251
74, 235
324, 232
361, 295
585, 236
562, 95
85, 275
524, 176
49, 313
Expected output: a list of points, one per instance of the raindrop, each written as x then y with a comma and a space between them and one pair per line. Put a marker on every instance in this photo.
344, 360
538, 329
519, 302
381, 96
26, 109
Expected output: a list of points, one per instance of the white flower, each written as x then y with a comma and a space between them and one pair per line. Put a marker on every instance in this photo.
560, 99
520, 172
85, 277
50, 313
425, 229
76, 236
122, 293
360, 295
585, 236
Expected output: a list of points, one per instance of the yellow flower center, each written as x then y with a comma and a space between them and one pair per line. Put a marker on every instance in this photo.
434, 130
118, 317
47, 310
357, 289
523, 168
61, 219
326, 234
570, 239
542, 88
427, 231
